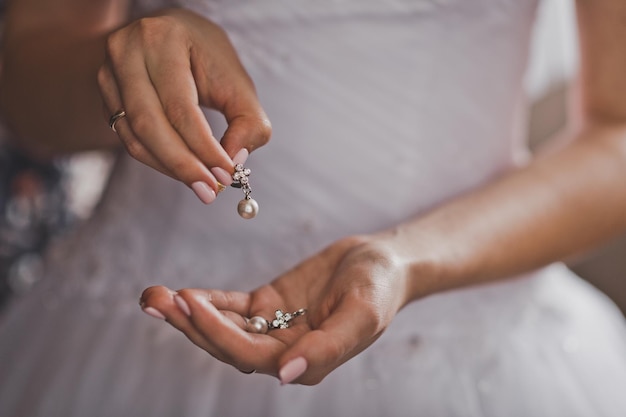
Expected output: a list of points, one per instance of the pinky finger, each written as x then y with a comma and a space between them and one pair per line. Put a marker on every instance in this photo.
136, 149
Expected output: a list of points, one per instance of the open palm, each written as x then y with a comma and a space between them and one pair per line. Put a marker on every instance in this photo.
351, 290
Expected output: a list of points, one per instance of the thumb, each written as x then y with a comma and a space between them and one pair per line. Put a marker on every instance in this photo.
345, 333
248, 130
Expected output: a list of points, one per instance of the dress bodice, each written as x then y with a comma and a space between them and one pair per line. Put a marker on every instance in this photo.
380, 109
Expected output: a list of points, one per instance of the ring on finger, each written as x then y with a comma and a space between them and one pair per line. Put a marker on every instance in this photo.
115, 118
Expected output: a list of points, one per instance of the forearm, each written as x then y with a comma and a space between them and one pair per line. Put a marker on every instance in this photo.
48, 87
556, 207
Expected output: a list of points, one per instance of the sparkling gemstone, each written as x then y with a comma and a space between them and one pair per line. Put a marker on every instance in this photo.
238, 167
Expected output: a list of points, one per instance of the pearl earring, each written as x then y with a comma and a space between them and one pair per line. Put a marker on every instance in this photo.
248, 207
258, 324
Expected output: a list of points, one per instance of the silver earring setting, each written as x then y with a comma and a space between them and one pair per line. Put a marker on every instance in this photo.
258, 324
248, 207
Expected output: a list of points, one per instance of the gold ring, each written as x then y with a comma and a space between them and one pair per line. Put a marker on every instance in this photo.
117, 116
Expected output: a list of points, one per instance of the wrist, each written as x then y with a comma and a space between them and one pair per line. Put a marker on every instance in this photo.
423, 263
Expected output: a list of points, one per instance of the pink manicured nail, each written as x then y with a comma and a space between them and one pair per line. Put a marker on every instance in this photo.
241, 157
203, 191
292, 370
151, 311
182, 304
222, 176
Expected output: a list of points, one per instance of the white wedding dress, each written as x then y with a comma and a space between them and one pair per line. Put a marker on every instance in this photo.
381, 110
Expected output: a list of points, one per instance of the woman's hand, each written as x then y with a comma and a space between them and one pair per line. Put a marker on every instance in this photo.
160, 70
352, 290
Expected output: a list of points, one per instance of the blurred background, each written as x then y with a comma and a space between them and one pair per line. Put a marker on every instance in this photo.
39, 202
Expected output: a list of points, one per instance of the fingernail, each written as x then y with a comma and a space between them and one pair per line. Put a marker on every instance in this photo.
222, 176
292, 370
203, 191
182, 304
241, 157
151, 311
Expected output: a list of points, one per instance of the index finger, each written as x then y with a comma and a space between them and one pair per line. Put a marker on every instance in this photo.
236, 301
242, 349
147, 120
175, 86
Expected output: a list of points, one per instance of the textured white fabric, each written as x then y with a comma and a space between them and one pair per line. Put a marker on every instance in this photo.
381, 110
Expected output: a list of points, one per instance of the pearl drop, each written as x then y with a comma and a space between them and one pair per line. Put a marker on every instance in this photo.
248, 208
257, 325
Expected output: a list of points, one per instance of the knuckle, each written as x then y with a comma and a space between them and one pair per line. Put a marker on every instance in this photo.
115, 44
157, 30
134, 149
265, 130
177, 112
142, 125
226, 298
102, 77
262, 129
334, 351
375, 318
181, 167
153, 31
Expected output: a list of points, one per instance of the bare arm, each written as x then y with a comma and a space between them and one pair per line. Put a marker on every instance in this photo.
48, 89
556, 207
